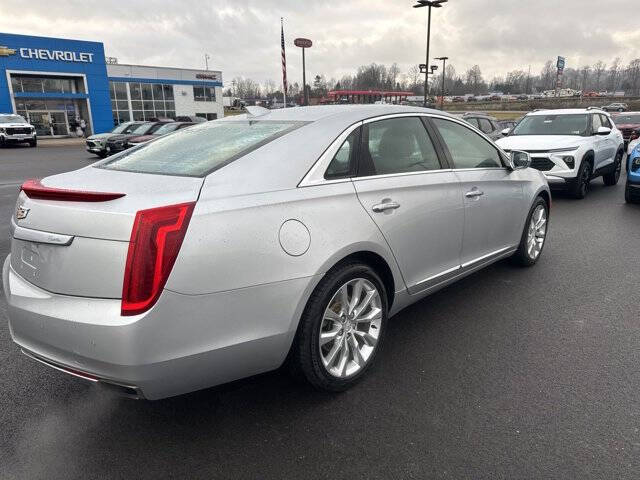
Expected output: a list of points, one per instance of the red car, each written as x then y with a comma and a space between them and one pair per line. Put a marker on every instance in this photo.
627, 123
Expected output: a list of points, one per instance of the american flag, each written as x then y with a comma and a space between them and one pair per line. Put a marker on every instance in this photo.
284, 58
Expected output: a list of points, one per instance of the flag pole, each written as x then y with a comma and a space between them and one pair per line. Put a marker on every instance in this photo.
284, 65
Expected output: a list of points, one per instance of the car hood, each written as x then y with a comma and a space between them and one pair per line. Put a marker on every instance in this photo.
141, 138
539, 142
102, 136
15, 125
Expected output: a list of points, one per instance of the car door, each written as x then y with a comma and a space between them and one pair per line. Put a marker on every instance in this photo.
405, 185
493, 195
599, 143
609, 142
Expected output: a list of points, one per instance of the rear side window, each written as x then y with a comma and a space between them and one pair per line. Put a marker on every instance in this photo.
340, 166
397, 145
467, 148
201, 149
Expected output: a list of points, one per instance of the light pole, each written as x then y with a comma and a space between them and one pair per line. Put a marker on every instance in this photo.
434, 4
444, 71
206, 61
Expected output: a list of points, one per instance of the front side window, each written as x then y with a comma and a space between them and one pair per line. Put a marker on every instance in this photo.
340, 166
605, 121
466, 148
396, 145
553, 124
201, 149
596, 123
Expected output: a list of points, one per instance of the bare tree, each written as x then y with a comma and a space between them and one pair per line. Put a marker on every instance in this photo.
598, 70
613, 81
474, 79
633, 75
586, 70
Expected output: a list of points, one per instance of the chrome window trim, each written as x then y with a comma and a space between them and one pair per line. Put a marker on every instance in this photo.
315, 175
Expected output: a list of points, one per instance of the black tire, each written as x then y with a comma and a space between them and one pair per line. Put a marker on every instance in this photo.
1, 142
612, 177
33, 143
305, 359
521, 257
580, 187
102, 154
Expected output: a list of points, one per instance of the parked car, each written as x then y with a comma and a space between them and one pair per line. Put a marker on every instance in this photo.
97, 144
225, 248
627, 123
485, 123
590, 94
522, 97
616, 107
458, 99
570, 146
15, 129
119, 143
163, 130
632, 187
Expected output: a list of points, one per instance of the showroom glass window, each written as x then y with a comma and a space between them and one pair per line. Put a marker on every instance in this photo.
467, 148
152, 100
119, 102
204, 94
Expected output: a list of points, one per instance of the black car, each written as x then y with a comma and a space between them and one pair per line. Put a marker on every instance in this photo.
118, 143
485, 123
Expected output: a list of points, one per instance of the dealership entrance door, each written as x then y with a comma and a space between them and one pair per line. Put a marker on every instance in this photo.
49, 123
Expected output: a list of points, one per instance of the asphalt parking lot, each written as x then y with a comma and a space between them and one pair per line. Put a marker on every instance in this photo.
510, 373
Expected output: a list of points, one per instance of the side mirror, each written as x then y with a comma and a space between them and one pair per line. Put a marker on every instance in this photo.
603, 131
505, 132
519, 160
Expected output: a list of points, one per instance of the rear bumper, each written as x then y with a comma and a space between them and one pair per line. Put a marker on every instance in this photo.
184, 343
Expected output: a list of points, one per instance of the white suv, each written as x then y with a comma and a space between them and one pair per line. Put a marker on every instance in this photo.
15, 129
570, 146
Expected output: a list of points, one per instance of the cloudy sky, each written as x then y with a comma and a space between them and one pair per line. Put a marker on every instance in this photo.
243, 36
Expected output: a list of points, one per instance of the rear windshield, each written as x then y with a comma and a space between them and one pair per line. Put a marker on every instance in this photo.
201, 149
622, 119
574, 124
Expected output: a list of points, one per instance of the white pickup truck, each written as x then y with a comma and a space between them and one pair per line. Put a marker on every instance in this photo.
15, 129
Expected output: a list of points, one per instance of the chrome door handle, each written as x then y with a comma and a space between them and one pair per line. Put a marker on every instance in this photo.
474, 193
381, 207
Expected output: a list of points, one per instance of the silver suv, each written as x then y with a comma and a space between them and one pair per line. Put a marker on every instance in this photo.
570, 146
15, 129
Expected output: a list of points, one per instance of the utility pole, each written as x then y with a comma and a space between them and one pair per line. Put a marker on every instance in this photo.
206, 61
444, 71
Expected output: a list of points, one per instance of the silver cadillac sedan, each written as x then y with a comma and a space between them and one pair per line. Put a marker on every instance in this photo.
222, 250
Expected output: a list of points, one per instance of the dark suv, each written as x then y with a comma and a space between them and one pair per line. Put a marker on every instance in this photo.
118, 143
485, 123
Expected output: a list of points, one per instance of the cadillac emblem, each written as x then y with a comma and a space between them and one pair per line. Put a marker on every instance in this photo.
21, 213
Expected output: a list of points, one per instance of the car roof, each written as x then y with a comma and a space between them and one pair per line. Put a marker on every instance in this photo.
565, 111
349, 113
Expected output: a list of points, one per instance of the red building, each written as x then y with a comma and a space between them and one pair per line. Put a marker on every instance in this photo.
366, 96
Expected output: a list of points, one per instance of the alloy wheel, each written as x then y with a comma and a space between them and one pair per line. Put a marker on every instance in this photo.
585, 180
537, 232
350, 328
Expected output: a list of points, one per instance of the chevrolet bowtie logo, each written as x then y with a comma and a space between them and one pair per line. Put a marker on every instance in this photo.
6, 51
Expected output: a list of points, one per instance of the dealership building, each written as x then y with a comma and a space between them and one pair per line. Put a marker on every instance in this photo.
54, 83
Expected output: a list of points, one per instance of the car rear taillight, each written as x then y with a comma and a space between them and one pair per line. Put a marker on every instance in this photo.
35, 189
155, 242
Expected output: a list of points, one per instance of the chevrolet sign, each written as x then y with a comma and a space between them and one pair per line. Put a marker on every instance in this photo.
6, 51
55, 55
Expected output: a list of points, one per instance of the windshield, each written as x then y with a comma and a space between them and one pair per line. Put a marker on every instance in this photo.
11, 119
123, 128
142, 129
201, 149
164, 129
622, 119
574, 124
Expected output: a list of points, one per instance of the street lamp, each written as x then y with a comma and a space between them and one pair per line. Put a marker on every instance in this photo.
434, 4
444, 70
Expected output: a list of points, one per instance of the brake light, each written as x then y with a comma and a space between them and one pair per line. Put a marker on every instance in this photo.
35, 189
155, 242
